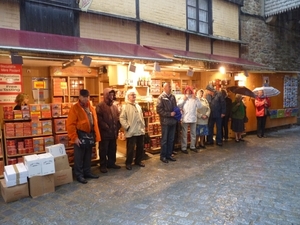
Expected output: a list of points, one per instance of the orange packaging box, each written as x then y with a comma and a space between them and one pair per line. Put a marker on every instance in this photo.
55, 106
36, 131
56, 112
38, 141
38, 148
47, 130
27, 131
27, 125
36, 124
9, 126
10, 133
26, 114
46, 114
35, 108
7, 108
48, 141
45, 107
46, 123
9, 115
19, 133
18, 114
18, 126
35, 114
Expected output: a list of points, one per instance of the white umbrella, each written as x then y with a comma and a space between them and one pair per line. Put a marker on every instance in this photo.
268, 91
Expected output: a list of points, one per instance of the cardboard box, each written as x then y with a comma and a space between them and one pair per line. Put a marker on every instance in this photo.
40, 185
63, 177
14, 193
33, 165
56, 150
15, 174
47, 162
61, 163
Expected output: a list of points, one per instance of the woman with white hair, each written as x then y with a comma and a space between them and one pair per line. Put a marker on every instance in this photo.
133, 122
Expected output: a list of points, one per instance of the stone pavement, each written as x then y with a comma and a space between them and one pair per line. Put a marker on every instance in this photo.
255, 182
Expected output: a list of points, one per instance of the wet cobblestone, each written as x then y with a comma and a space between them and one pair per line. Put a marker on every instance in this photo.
255, 182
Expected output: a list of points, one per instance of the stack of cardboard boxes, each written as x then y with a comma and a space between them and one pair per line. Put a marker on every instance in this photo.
44, 172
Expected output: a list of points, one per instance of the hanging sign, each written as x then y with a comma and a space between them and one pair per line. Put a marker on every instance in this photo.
10, 82
39, 84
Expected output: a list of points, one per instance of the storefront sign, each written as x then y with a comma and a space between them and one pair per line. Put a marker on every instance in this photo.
10, 82
39, 84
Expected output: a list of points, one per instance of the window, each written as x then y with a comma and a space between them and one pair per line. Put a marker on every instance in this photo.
198, 16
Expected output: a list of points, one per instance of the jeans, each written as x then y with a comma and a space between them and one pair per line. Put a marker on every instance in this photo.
167, 140
211, 122
131, 143
184, 132
82, 160
261, 124
107, 152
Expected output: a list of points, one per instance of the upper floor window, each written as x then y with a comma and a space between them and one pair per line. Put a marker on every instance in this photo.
199, 16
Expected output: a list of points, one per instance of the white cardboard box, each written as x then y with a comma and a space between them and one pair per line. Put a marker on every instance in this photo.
47, 162
33, 165
15, 171
56, 150
10, 183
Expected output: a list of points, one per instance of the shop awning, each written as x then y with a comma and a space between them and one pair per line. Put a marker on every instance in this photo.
28, 41
179, 54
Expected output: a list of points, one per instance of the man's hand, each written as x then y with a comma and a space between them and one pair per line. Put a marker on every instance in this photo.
173, 113
222, 115
78, 142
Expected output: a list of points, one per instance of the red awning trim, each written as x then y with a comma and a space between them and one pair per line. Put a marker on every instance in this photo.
205, 57
18, 40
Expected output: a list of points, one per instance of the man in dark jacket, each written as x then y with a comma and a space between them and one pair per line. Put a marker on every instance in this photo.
165, 107
218, 109
109, 125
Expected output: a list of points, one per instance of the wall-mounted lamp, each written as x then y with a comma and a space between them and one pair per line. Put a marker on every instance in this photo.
222, 70
156, 67
68, 64
86, 61
190, 72
16, 59
131, 67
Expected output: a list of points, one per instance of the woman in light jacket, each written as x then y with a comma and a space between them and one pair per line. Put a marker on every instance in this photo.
202, 119
133, 122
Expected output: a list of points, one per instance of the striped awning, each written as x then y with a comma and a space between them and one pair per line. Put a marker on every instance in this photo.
274, 7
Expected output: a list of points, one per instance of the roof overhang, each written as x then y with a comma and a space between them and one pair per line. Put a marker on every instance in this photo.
16, 41
197, 56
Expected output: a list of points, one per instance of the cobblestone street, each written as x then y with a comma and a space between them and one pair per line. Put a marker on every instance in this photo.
254, 182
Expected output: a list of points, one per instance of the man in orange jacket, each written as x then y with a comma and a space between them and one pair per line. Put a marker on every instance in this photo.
82, 127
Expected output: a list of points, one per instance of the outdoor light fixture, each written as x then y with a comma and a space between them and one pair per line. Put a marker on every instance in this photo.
86, 61
190, 72
16, 59
68, 64
222, 70
131, 67
156, 67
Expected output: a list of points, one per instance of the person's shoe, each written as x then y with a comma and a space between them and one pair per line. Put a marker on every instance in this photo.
202, 146
241, 139
81, 180
184, 151
140, 164
194, 150
164, 160
172, 159
174, 152
92, 176
264, 136
237, 140
198, 147
128, 167
114, 167
209, 143
103, 170
259, 136
225, 139
220, 144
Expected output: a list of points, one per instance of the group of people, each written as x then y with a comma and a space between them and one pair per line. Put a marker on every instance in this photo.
198, 112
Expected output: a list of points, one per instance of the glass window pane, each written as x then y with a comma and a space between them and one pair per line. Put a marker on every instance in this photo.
203, 28
203, 16
191, 2
192, 25
192, 13
203, 4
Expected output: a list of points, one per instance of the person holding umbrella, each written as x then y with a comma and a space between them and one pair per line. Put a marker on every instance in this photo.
262, 103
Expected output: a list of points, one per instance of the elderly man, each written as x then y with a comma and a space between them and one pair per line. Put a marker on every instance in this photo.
83, 131
133, 122
166, 104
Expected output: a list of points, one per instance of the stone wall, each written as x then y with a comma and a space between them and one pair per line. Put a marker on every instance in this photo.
276, 45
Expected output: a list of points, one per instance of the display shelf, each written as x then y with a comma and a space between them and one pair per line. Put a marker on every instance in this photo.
20, 155
29, 136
